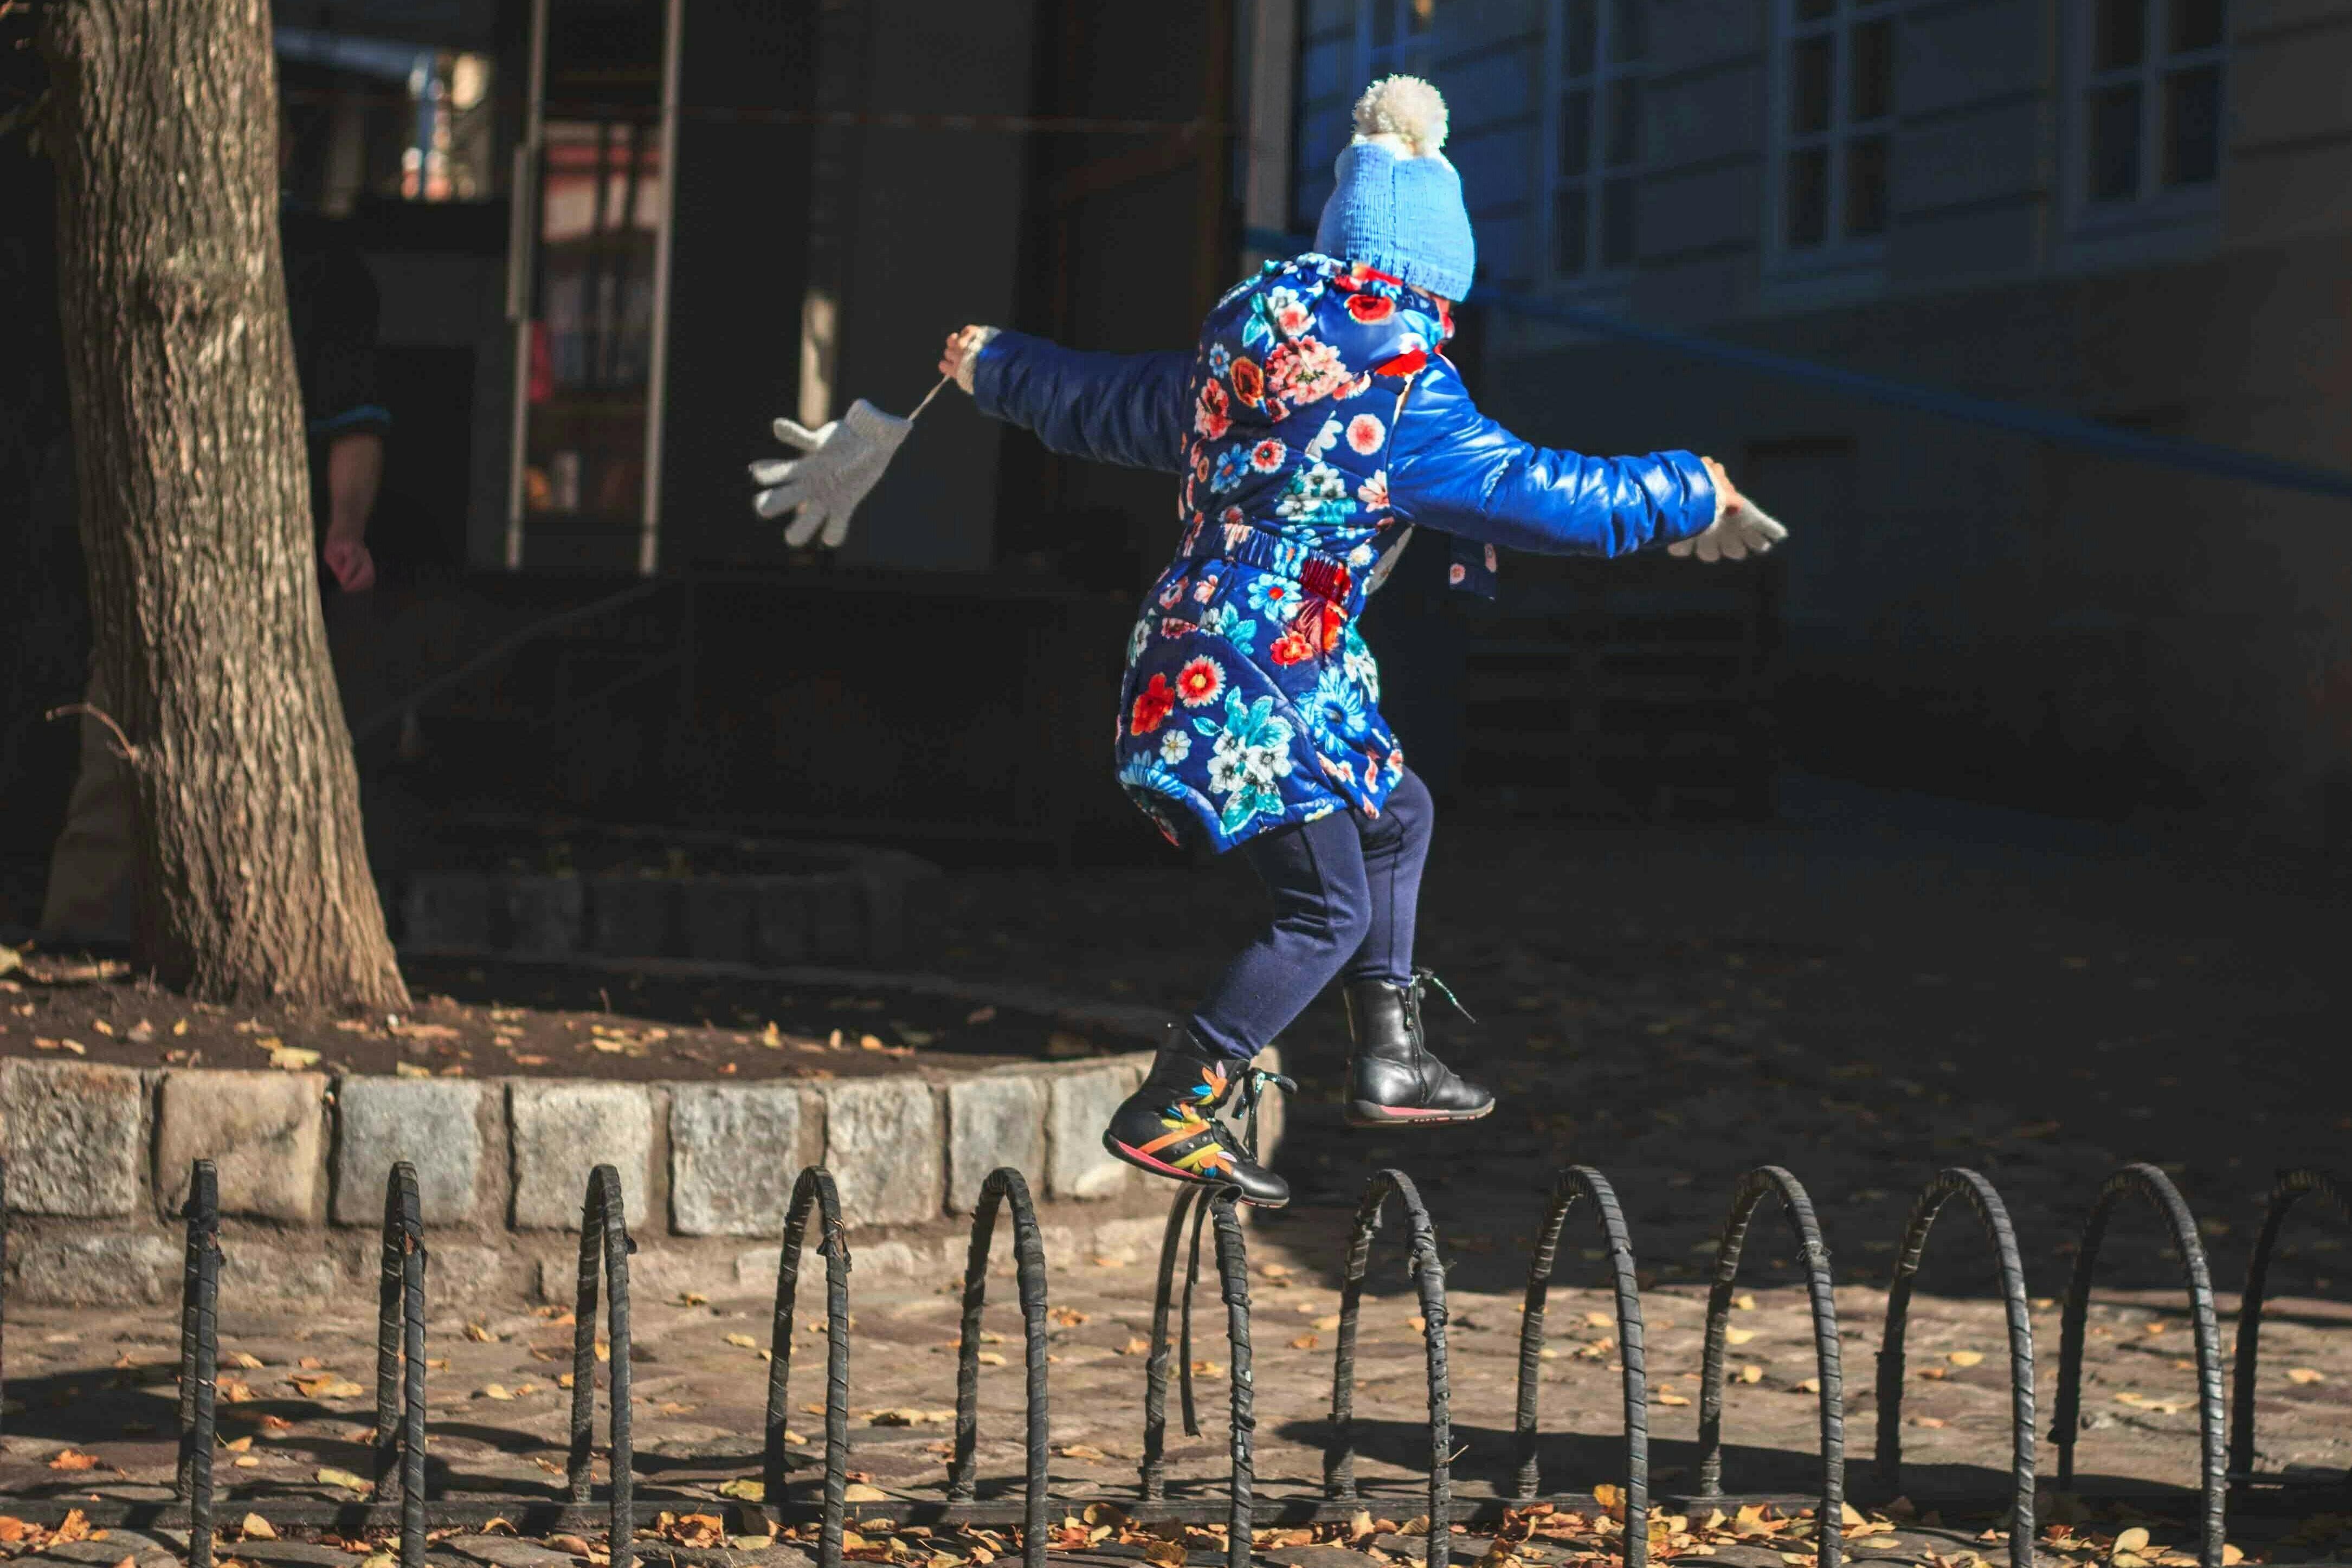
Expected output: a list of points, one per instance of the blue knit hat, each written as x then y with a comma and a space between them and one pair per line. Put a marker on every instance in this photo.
1398, 204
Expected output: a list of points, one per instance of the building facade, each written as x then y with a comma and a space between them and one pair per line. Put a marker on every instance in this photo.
2134, 211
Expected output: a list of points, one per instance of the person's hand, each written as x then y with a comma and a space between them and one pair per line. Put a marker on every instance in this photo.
961, 355
1740, 527
845, 457
349, 559
1726, 493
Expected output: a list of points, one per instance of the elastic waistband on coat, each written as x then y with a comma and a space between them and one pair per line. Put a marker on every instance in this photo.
1326, 576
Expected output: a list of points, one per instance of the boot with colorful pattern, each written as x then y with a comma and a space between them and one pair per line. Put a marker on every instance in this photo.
1169, 1125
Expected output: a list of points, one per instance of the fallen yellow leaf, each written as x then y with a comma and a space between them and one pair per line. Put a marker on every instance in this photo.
1737, 1336
256, 1528
334, 1478
326, 1386
1963, 1357
2305, 1374
2132, 1540
742, 1342
859, 1492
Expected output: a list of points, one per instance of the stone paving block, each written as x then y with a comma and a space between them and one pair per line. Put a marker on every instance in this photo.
540, 915
1078, 1110
734, 1154
266, 1132
505, 1552
74, 1134
882, 1144
994, 1120
720, 915
446, 909
462, 1272
300, 1271
561, 1132
633, 917
781, 922
434, 1123
96, 1271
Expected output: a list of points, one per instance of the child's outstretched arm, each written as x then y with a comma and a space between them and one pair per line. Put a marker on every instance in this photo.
1454, 469
1114, 408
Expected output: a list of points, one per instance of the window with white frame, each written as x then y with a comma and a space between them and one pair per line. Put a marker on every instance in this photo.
1837, 111
2152, 106
1604, 54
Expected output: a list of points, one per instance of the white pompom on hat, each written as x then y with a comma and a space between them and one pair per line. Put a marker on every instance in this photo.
1397, 206
1405, 114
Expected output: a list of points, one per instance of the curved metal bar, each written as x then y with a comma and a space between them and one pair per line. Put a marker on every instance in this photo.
1750, 1190
1155, 1369
1429, 1272
1184, 1322
813, 1193
604, 1238
2165, 1198
1233, 1275
400, 1362
2291, 1188
199, 1358
1993, 1215
1573, 1183
1004, 1186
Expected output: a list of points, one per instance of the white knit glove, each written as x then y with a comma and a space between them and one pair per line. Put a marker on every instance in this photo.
1731, 537
844, 459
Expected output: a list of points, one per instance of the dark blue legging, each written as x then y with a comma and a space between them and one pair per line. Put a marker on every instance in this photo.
1343, 889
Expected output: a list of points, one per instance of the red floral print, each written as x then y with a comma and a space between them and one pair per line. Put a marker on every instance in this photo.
1372, 309
1212, 418
1153, 703
1293, 647
1365, 432
1249, 381
1200, 682
1304, 370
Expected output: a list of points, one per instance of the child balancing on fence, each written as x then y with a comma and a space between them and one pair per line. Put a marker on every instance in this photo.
1315, 426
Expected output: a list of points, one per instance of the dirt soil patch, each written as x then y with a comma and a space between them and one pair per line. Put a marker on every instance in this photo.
486, 1018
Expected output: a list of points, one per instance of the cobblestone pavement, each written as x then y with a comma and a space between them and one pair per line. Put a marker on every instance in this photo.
1863, 996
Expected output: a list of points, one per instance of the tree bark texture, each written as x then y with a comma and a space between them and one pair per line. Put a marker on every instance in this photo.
194, 505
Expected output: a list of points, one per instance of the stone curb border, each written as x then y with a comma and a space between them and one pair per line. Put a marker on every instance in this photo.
98, 1159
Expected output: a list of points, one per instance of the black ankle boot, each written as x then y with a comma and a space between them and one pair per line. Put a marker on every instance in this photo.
1169, 1125
1391, 1077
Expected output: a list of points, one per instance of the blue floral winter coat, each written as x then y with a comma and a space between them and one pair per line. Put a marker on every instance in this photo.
1315, 427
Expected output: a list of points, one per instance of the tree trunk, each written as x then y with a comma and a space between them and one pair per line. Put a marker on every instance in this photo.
252, 874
